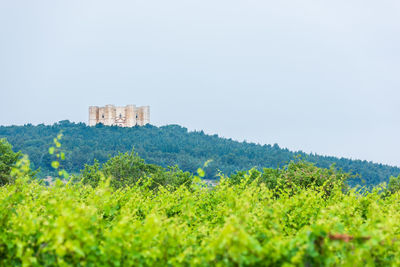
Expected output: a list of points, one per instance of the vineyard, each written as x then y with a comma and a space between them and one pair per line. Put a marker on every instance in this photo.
234, 224
127, 212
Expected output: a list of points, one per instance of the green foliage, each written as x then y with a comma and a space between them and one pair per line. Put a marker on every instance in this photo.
296, 175
91, 175
394, 184
9, 160
242, 223
126, 212
169, 146
60, 156
127, 169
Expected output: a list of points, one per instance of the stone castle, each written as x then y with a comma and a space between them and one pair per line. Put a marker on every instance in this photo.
127, 116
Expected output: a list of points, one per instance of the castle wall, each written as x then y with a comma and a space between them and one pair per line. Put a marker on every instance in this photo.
101, 115
120, 112
120, 116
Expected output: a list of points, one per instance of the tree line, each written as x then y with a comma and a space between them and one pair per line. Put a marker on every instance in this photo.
171, 145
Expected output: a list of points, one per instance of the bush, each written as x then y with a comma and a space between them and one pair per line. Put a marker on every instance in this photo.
8, 161
127, 169
294, 176
394, 184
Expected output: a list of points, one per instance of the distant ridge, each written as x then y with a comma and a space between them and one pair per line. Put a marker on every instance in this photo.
170, 145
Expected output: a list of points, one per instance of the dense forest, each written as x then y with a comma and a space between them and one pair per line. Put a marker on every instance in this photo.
169, 146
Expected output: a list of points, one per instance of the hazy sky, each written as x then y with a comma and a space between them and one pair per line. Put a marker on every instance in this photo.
318, 76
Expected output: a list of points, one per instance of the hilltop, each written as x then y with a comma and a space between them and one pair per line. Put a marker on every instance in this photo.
168, 146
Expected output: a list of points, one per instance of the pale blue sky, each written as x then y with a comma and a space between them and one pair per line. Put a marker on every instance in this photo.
319, 76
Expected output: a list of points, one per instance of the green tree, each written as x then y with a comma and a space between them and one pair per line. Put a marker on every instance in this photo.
91, 174
8, 159
394, 184
126, 169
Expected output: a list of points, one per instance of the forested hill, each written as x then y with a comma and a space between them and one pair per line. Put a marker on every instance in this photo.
167, 146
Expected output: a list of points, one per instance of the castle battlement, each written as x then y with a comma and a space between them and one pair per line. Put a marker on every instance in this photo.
127, 116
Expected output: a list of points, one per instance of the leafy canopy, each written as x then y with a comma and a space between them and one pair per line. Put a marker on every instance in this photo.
8, 160
127, 169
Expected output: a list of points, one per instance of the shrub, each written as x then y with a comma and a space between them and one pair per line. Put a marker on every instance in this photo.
127, 169
296, 175
8, 161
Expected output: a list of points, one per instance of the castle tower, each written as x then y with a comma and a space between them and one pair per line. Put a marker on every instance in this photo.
93, 115
130, 111
143, 115
146, 115
109, 115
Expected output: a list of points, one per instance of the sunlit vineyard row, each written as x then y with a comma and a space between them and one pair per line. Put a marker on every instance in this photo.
126, 212
233, 224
